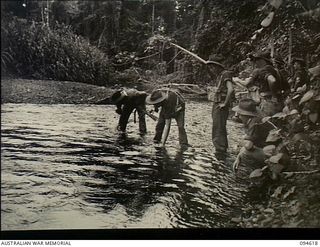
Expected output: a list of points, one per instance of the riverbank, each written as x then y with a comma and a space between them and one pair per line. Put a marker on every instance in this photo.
51, 92
66, 92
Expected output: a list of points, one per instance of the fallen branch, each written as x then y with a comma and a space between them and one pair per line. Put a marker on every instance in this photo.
190, 53
152, 55
181, 84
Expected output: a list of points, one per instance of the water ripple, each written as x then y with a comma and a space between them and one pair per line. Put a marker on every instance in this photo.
66, 167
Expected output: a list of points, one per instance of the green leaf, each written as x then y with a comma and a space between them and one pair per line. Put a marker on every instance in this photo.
293, 112
269, 150
299, 137
276, 158
313, 117
289, 192
265, 119
286, 110
301, 89
256, 173
306, 111
279, 115
275, 3
317, 98
269, 210
277, 192
307, 96
274, 135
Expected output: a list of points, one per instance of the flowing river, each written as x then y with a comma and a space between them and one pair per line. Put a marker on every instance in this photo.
66, 167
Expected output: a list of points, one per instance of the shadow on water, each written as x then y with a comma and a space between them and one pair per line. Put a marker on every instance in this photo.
76, 170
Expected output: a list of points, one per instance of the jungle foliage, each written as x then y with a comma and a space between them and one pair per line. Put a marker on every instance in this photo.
122, 29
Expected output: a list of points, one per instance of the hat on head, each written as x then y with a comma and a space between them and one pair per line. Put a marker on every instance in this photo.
261, 55
299, 60
247, 107
156, 97
118, 96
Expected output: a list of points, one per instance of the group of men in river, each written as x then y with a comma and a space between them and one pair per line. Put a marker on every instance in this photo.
268, 86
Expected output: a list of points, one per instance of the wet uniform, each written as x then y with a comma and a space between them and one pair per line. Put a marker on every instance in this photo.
134, 100
257, 132
269, 105
220, 115
172, 107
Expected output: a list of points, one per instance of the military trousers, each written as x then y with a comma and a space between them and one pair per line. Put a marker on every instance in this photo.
219, 127
180, 119
126, 112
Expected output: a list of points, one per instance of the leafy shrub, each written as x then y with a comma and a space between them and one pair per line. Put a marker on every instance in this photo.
40, 52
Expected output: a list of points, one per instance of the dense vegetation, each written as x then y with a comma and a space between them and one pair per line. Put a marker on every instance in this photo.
39, 52
125, 41
113, 37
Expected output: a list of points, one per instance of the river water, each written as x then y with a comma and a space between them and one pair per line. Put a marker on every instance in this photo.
66, 167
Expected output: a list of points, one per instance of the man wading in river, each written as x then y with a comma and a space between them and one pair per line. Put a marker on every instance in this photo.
221, 105
128, 100
172, 106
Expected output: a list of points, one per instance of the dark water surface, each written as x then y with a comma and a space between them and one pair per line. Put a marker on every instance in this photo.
66, 167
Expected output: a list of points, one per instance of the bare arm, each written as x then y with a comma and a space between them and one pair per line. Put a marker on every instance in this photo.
166, 131
155, 118
296, 83
241, 82
119, 108
229, 92
271, 82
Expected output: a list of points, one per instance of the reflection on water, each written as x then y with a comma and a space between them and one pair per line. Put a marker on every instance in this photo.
66, 167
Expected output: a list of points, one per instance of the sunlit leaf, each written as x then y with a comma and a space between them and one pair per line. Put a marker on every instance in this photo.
256, 173
307, 96
269, 150
306, 111
299, 137
274, 135
279, 115
265, 119
286, 109
317, 98
289, 192
277, 192
313, 117
275, 3
301, 89
254, 37
276, 158
293, 112
267, 21
269, 210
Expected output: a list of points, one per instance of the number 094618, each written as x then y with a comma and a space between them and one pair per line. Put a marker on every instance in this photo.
309, 243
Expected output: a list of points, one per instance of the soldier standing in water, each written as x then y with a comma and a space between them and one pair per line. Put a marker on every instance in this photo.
220, 109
